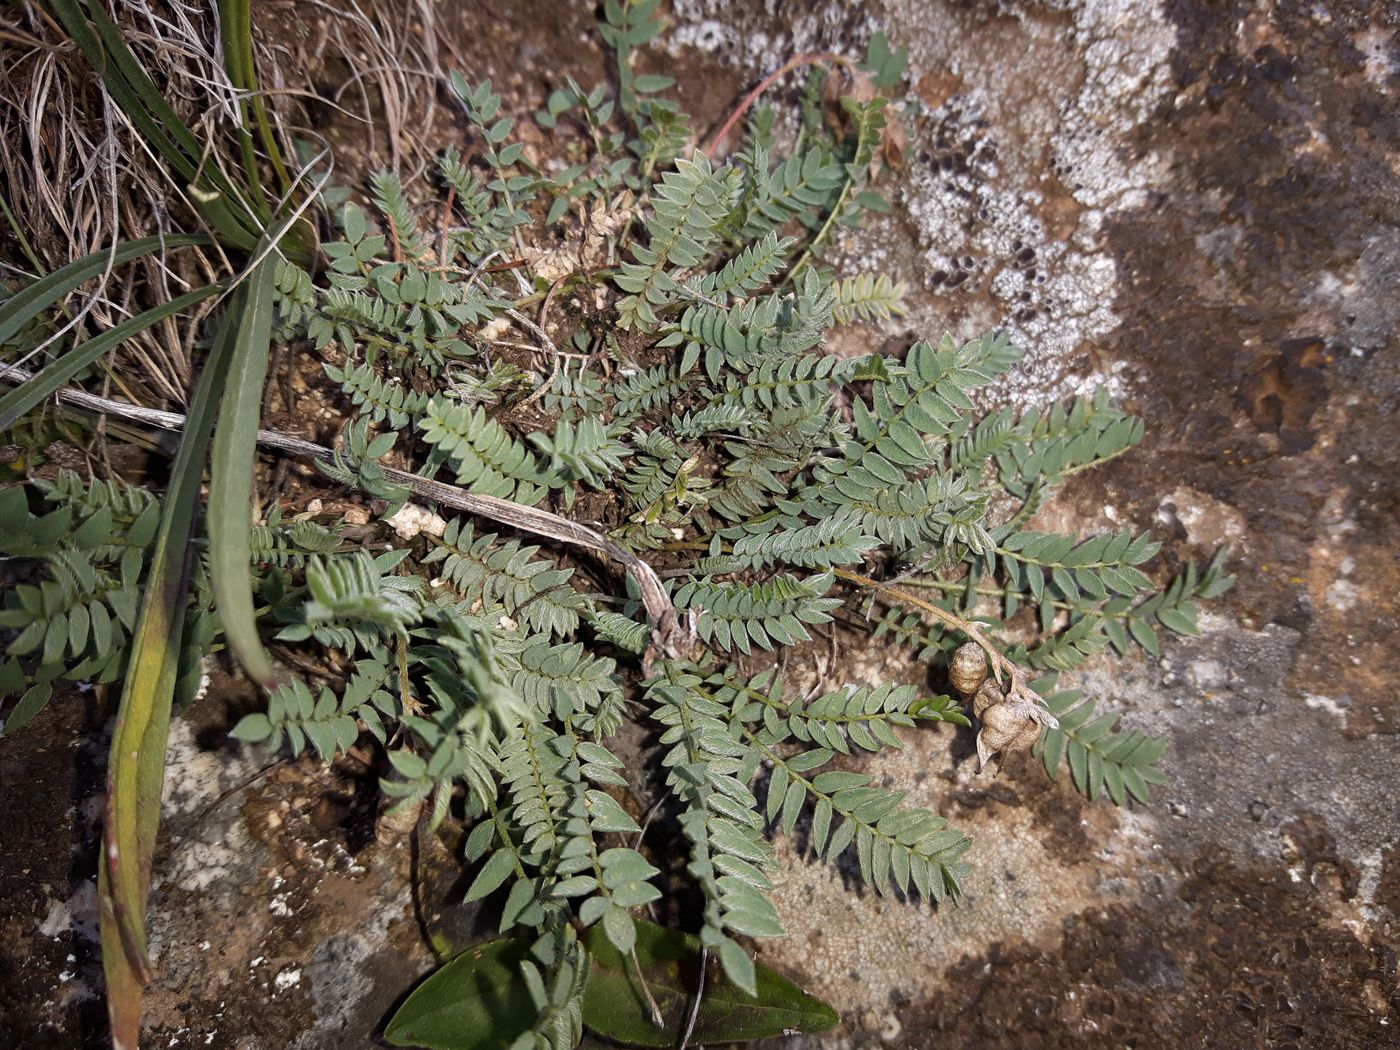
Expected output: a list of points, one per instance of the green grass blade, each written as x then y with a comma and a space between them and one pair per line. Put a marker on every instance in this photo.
231, 473
29, 302
225, 205
236, 21
20, 400
23, 241
235, 29
137, 765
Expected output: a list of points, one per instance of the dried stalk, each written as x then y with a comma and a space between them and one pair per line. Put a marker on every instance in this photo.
669, 637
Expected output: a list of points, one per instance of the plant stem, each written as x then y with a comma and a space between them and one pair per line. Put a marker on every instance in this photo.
966, 627
1020, 690
810, 59
669, 637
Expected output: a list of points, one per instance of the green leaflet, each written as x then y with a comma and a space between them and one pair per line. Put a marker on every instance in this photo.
487, 458
868, 297
721, 821
776, 612
380, 399
231, 471
74, 617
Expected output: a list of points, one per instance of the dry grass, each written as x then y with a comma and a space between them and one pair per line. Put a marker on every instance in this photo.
76, 176
380, 67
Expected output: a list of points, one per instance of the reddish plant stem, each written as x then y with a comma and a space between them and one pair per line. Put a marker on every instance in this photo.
810, 59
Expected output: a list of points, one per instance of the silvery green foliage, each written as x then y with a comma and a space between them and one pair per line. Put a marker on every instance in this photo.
680, 398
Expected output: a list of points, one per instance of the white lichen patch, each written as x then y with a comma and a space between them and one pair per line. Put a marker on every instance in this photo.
287, 978
1382, 61
1330, 705
77, 915
1342, 594
1045, 166
715, 27
195, 776
1039, 116
199, 865
1125, 45
1370, 866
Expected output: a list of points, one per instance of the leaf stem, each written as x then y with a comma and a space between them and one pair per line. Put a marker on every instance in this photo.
657, 1018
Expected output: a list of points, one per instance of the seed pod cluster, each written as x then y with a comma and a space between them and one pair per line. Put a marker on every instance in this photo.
989, 695
1010, 721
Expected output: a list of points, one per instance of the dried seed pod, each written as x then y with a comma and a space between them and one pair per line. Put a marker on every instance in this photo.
987, 696
1026, 738
1008, 726
967, 670
1001, 724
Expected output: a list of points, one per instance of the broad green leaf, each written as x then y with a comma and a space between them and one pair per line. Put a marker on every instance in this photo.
231, 472
614, 1004
136, 768
476, 1002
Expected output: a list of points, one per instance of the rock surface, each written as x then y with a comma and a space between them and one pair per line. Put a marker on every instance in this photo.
1197, 205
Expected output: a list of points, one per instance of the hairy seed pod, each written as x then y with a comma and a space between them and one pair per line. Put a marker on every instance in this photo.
967, 670
987, 696
1026, 738
1007, 725
1001, 726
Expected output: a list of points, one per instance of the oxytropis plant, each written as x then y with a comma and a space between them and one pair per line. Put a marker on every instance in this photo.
620, 482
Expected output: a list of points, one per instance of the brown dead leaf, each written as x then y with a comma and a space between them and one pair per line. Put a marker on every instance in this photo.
860, 88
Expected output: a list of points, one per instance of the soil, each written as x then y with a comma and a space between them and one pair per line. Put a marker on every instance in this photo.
1195, 204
